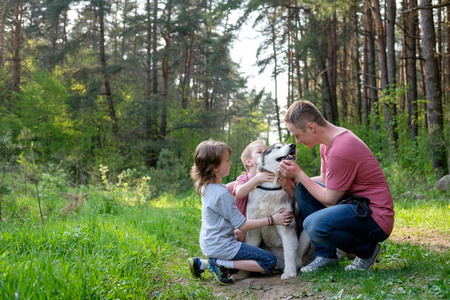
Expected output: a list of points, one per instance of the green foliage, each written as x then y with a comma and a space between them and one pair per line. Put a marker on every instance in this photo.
43, 109
97, 255
169, 176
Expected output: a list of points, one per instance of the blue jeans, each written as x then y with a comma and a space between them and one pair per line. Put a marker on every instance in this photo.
265, 259
337, 227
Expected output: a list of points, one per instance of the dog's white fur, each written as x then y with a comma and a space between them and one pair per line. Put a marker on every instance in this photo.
283, 241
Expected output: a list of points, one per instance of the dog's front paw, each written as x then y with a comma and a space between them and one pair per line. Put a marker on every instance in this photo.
288, 275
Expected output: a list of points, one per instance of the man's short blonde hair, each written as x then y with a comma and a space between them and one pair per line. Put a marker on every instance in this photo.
302, 112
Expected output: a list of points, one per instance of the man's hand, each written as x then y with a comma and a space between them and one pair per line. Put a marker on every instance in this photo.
290, 169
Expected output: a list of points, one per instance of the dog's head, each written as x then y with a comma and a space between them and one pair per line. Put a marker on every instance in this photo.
271, 158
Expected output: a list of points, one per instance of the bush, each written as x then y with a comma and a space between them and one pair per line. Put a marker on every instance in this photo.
170, 175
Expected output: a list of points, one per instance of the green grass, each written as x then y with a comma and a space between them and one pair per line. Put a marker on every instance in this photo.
427, 213
112, 249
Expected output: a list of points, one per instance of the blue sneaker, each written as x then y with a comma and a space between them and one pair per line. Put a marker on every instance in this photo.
219, 272
194, 266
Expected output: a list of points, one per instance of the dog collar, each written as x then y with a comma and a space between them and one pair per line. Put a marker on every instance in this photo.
269, 189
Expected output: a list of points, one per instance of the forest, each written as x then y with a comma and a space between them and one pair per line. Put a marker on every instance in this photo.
102, 103
132, 86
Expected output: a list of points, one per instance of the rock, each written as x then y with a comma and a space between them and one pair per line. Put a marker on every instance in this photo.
410, 194
443, 183
420, 197
406, 194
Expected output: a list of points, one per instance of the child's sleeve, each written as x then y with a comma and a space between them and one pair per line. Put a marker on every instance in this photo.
239, 181
230, 210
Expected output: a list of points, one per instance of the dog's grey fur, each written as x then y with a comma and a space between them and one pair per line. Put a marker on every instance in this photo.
290, 244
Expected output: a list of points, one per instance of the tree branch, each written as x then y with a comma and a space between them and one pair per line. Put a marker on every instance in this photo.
426, 7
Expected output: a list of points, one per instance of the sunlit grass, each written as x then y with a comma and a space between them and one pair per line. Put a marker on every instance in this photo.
425, 214
112, 249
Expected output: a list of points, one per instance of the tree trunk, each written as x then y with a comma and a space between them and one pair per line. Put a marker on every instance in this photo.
108, 93
344, 80
390, 105
383, 65
275, 74
165, 73
150, 118
439, 42
64, 29
365, 99
434, 94
326, 95
2, 37
372, 78
298, 32
410, 25
18, 8
357, 67
332, 67
447, 74
124, 28
154, 47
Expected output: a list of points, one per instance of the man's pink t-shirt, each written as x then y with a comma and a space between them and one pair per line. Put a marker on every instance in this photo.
242, 203
350, 166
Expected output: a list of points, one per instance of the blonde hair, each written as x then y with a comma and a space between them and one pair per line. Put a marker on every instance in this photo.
208, 155
247, 153
302, 112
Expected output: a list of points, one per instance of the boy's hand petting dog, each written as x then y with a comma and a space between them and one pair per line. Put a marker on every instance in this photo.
281, 218
264, 177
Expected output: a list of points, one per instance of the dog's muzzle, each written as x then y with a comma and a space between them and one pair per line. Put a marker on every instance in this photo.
291, 156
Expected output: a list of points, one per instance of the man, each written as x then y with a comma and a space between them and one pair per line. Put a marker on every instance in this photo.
348, 168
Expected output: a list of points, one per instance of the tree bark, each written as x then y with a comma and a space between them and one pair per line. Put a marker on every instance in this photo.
357, 67
2, 37
344, 76
332, 67
383, 65
391, 105
372, 78
108, 93
165, 72
150, 118
434, 94
447, 73
275, 71
410, 25
365, 99
17, 44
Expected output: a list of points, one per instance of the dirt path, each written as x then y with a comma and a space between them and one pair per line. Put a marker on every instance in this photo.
428, 238
272, 287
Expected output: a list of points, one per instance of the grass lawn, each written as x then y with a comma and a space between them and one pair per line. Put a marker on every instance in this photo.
111, 249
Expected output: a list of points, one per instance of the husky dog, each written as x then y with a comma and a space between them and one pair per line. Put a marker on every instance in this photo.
290, 244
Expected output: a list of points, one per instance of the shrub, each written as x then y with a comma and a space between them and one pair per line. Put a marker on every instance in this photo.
170, 175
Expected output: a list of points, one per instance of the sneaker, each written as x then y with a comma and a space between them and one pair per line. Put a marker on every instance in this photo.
365, 263
318, 263
194, 266
219, 272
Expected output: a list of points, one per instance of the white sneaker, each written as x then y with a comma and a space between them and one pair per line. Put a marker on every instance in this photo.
365, 263
318, 263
